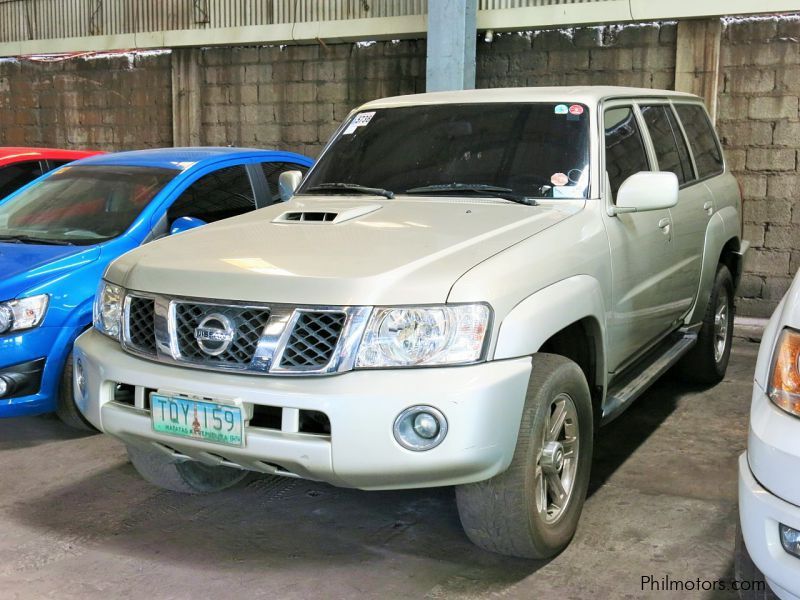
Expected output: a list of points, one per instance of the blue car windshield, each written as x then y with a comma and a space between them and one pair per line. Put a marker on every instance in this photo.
81, 205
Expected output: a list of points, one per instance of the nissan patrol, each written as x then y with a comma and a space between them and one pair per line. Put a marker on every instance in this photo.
460, 291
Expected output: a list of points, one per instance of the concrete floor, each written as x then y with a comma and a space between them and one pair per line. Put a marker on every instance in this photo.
77, 522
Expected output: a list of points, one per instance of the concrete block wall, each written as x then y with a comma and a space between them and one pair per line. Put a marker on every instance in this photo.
639, 56
113, 103
759, 125
294, 97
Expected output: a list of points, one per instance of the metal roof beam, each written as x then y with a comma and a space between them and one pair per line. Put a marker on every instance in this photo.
411, 25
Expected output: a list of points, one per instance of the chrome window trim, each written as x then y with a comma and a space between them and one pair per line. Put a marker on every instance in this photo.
271, 344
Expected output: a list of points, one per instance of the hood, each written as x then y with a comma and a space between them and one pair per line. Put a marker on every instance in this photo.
337, 251
26, 266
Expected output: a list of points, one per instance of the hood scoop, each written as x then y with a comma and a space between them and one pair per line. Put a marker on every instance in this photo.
325, 217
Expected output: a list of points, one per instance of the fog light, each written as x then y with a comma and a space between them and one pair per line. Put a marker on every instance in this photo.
790, 539
4, 387
426, 426
420, 428
80, 378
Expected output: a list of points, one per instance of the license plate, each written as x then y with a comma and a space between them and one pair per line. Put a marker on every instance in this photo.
197, 419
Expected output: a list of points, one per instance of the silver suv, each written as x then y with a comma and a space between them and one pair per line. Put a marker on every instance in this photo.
462, 289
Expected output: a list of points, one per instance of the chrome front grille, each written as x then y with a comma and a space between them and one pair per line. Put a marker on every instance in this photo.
260, 339
248, 325
313, 340
141, 326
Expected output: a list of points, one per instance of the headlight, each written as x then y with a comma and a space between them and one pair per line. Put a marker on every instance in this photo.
784, 382
108, 309
25, 313
424, 335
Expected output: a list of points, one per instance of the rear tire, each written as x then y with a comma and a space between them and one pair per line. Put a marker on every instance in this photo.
517, 512
746, 570
66, 409
186, 477
707, 362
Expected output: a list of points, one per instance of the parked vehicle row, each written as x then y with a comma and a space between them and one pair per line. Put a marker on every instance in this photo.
460, 292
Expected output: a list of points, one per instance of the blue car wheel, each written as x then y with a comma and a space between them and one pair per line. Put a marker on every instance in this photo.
66, 409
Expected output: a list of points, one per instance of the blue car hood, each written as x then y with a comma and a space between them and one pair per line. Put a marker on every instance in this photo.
26, 266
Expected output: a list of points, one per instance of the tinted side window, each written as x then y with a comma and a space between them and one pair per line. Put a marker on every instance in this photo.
14, 176
54, 164
707, 154
273, 170
625, 154
215, 196
668, 142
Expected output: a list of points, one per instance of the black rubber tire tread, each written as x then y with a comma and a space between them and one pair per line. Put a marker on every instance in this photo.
500, 514
746, 571
699, 365
66, 409
187, 477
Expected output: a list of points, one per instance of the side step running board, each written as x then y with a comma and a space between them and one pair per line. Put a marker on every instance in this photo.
630, 387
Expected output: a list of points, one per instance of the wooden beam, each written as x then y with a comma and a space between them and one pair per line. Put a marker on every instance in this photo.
186, 107
697, 60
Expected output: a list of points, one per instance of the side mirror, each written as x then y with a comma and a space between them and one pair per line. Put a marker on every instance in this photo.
288, 182
182, 224
647, 191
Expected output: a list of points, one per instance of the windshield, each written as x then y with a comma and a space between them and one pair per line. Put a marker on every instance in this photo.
538, 150
81, 205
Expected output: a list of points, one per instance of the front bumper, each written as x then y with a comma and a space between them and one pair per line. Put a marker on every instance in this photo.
48, 344
760, 513
482, 403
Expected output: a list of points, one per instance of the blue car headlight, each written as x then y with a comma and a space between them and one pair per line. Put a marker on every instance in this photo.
108, 305
23, 313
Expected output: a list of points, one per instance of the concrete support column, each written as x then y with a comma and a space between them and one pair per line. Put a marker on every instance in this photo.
452, 36
186, 97
697, 60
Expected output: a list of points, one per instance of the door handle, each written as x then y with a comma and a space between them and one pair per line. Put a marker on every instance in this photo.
664, 225
709, 208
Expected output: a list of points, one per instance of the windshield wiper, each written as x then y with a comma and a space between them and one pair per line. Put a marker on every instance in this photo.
492, 191
351, 187
26, 239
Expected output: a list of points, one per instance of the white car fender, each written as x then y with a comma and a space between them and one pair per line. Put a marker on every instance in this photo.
537, 318
722, 227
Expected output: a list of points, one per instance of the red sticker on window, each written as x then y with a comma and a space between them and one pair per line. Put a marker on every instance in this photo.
559, 179
576, 109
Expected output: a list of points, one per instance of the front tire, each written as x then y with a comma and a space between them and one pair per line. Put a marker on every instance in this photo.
186, 477
707, 362
66, 409
532, 509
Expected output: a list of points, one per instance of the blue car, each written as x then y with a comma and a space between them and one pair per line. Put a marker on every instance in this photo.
59, 233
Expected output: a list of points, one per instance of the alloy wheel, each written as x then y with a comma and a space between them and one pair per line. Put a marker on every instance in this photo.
558, 459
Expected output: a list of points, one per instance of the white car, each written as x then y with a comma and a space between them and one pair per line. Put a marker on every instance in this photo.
769, 488
462, 288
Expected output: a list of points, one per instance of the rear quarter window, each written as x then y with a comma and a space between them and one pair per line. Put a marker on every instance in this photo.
702, 140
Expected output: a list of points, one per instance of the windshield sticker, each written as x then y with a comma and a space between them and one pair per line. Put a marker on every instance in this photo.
559, 179
562, 109
360, 120
567, 191
576, 109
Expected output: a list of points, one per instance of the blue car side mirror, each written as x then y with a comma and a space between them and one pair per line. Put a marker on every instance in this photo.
182, 224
